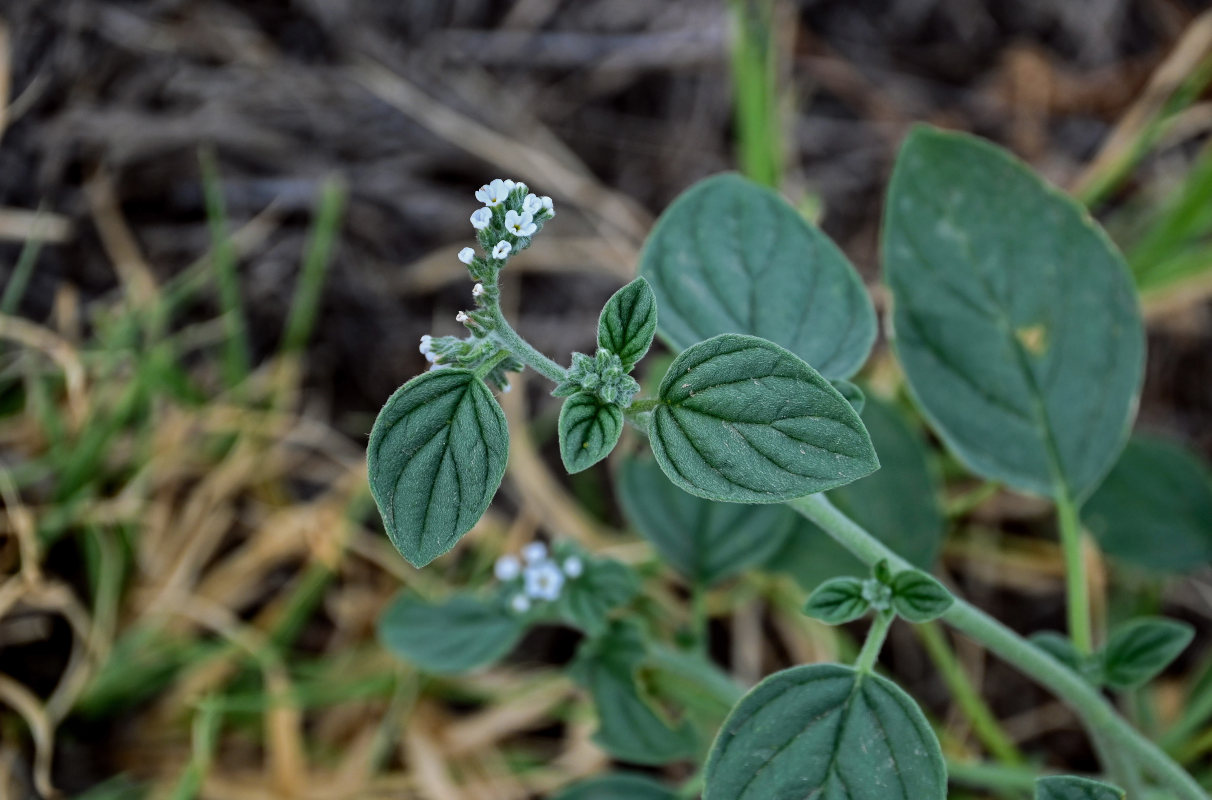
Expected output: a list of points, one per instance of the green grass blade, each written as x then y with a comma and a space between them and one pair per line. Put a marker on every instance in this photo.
236, 350
317, 258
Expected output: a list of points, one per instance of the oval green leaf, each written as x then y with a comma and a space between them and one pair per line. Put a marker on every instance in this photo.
1014, 316
1154, 509
1065, 787
1140, 649
617, 787
918, 597
899, 504
705, 541
436, 456
824, 730
589, 430
628, 322
729, 256
745, 421
453, 636
837, 601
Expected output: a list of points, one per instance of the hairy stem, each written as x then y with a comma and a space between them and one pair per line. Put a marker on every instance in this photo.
874, 642
509, 338
1085, 701
1075, 572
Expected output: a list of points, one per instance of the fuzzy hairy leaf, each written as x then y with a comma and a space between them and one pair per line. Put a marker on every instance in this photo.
729, 256
837, 601
707, 542
1065, 787
824, 730
746, 421
1015, 317
628, 322
1140, 649
436, 456
918, 597
456, 635
589, 430
1154, 509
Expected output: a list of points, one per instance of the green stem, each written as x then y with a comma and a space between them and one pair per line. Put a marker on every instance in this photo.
984, 723
865, 662
491, 363
1072, 690
699, 617
1076, 584
510, 339
1121, 771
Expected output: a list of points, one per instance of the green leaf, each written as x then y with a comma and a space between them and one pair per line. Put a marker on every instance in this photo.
587, 600
853, 394
918, 597
630, 728
1065, 787
828, 731
899, 504
692, 682
628, 322
1154, 509
1014, 317
729, 256
1140, 649
706, 542
456, 635
436, 456
745, 421
837, 601
589, 430
1060, 647
620, 786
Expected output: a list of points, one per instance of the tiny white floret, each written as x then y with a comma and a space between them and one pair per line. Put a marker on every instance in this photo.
532, 204
477, 290
426, 348
507, 568
574, 567
519, 224
534, 553
520, 603
548, 206
461, 317
502, 250
543, 581
493, 193
481, 218
467, 255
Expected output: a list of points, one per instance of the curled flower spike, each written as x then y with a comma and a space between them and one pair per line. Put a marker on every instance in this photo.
502, 250
574, 567
494, 193
532, 205
543, 581
520, 603
534, 553
520, 224
507, 568
481, 218
467, 255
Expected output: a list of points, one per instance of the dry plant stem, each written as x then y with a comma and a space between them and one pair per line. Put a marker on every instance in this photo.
1083, 699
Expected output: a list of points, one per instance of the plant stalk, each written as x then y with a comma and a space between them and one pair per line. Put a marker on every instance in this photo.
874, 643
509, 338
1076, 583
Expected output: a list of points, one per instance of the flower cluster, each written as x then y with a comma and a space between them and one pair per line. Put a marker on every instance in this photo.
510, 218
469, 353
536, 577
602, 375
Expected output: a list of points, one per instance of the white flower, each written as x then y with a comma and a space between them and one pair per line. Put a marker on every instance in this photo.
461, 317
519, 224
477, 290
427, 348
481, 218
534, 553
502, 250
507, 388
467, 255
532, 204
520, 603
548, 206
574, 567
494, 193
543, 581
507, 568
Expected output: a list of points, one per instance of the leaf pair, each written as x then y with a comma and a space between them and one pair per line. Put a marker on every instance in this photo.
912, 594
1135, 654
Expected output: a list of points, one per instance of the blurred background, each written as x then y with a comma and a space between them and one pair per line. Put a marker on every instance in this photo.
224, 226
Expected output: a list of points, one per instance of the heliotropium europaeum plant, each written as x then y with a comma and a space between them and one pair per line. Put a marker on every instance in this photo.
1022, 345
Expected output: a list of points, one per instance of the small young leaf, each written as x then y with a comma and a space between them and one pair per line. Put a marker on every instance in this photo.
1154, 509
1014, 317
628, 322
729, 256
456, 635
918, 597
629, 728
837, 601
828, 731
589, 430
436, 456
587, 600
853, 394
706, 542
1065, 787
620, 786
1060, 647
1138, 650
745, 421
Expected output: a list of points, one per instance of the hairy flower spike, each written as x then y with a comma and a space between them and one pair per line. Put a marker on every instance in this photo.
602, 375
